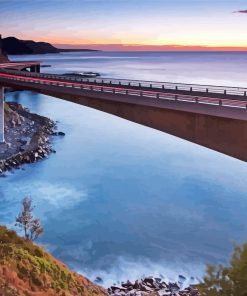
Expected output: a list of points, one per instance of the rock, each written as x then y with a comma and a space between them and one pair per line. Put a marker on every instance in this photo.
130, 292
193, 291
151, 286
24, 140
12, 123
174, 287
22, 149
128, 284
164, 292
149, 280
163, 285
98, 280
19, 120
182, 278
27, 158
117, 288
145, 288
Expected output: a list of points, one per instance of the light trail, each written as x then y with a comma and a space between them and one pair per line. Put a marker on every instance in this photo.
130, 91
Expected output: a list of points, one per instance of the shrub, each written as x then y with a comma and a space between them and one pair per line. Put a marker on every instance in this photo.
230, 280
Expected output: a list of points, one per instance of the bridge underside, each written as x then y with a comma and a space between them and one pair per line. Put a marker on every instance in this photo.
225, 135
33, 67
220, 133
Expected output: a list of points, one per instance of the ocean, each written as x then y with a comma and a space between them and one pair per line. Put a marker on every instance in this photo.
119, 200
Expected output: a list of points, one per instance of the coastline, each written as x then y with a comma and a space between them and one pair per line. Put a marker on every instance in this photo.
154, 287
38, 272
185, 211
27, 137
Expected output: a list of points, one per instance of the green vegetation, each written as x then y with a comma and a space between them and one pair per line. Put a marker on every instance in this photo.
6, 107
227, 281
33, 269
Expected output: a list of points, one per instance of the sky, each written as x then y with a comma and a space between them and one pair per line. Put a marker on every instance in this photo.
143, 23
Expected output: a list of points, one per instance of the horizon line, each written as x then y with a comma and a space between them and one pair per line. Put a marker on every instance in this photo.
149, 47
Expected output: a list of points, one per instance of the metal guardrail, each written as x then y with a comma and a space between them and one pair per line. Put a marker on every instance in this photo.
164, 86
126, 91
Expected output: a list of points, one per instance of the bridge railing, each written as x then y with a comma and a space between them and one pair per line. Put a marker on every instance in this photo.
153, 85
116, 90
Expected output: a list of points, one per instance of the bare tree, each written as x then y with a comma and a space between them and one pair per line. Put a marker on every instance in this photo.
25, 220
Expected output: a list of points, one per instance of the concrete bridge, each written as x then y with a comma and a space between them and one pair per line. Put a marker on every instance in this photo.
21, 66
211, 116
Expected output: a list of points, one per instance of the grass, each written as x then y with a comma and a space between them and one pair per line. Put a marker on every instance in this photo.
39, 270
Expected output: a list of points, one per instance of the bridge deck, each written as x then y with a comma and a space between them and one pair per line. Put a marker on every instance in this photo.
174, 88
219, 123
231, 108
18, 66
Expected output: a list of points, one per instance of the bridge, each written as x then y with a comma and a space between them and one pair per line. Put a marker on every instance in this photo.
212, 116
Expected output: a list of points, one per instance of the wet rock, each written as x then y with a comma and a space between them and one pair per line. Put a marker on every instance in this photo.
24, 140
12, 124
128, 284
137, 284
173, 286
98, 280
117, 288
153, 287
164, 292
182, 278
27, 144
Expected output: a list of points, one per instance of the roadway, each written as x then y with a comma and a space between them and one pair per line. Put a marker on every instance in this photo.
128, 92
213, 121
175, 88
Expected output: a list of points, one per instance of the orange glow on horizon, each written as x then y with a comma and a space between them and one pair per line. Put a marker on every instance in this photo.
141, 43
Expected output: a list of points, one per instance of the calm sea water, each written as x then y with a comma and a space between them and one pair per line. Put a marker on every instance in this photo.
120, 200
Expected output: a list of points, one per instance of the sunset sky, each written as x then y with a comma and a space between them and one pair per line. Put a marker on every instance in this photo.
217, 23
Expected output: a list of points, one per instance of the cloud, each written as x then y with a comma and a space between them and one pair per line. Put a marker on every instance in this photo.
241, 11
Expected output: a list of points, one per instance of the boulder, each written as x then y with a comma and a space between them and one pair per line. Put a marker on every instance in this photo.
182, 278
173, 287
24, 140
164, 292
98, 280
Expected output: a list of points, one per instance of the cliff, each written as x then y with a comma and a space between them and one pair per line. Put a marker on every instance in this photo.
14, 46
3, 58
27, 269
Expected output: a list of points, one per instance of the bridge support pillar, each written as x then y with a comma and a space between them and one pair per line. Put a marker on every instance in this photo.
1, 115
35, 68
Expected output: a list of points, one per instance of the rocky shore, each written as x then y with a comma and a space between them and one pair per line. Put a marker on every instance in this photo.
153, 286
27, 137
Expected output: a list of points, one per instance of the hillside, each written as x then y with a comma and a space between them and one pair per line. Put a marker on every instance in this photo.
14, 46
27, 269
3, 58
